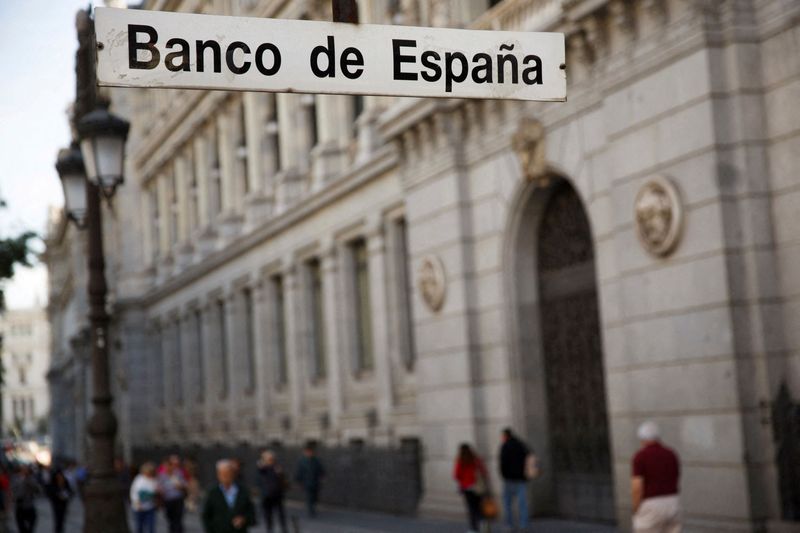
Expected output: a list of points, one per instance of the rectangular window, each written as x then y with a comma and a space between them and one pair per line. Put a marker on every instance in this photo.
310, 105
173, 209
358, 108
249, 340
155, 220
200, 354
241, 147
279, 314
274, 130
363, 316
404, 288
194, 195
317, 316
215, 174
223, 349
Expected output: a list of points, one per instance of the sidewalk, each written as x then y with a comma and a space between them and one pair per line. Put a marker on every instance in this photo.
336, 521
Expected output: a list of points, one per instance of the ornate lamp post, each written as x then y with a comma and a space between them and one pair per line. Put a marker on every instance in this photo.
102, 140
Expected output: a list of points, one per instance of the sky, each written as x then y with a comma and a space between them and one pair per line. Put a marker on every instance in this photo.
37, 63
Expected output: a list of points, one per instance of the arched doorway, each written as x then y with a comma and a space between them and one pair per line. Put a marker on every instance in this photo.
563, 396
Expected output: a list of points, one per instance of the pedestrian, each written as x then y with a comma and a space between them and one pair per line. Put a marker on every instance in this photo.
192, 485
59, 493
272, 482
654, 484
172, 489
309, 475
473, 482
514, 456
123, 473
5, 499
144, 491
25, 490
227, 508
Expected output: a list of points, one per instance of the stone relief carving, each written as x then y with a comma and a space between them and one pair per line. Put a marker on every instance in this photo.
432, 282
528, 143
659, 216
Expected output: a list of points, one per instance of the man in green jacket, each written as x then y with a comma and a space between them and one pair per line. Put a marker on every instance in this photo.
228, 508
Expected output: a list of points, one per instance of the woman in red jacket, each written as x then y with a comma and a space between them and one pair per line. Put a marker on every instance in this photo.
472, 478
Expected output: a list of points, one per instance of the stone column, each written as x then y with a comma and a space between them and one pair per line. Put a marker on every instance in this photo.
376, 245
163, 211
235, 387
150, 243
333, 326
183, 253
188, 371
270, 143
287, 124
260, 349
227, 158
290, 180
334, 114
202, 169
211, 340
257, 203
166, 375
291, 297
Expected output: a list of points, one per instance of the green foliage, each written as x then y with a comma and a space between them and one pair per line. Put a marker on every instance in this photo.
13, 251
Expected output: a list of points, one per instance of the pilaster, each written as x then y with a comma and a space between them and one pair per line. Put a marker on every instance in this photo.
261, 351
376, 246
293, 352
333, 331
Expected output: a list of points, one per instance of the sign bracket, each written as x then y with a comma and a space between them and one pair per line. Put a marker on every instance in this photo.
345, 11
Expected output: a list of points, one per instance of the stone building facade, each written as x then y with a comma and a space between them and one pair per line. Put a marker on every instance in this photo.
397, 274
25, 356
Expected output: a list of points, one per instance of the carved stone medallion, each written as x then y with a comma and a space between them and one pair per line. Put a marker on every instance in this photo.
432, 282
659, 216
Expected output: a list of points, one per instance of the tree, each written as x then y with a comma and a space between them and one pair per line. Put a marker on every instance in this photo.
13, 251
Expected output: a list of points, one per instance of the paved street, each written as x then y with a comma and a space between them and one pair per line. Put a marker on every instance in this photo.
331, 521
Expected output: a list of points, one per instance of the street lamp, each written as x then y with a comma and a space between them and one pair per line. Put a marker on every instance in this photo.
69, 166
102, 140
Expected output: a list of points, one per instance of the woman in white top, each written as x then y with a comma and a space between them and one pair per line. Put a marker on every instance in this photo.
143, 498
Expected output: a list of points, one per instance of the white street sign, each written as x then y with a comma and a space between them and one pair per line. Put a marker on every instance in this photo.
138, 48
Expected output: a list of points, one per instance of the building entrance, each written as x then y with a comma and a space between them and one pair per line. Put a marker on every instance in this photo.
573, 360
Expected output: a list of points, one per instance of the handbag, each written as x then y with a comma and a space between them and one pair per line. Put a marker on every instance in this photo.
489, 507
532, 470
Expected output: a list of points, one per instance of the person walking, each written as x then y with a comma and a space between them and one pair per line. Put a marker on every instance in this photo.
513, 460
192, 485
25, 489
227, 508
272, 482
59, 493
309, 475
654, 484
5, 499
144, 491
473, 482
172, 488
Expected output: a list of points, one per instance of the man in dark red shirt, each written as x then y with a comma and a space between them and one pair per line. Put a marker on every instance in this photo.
654, 485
